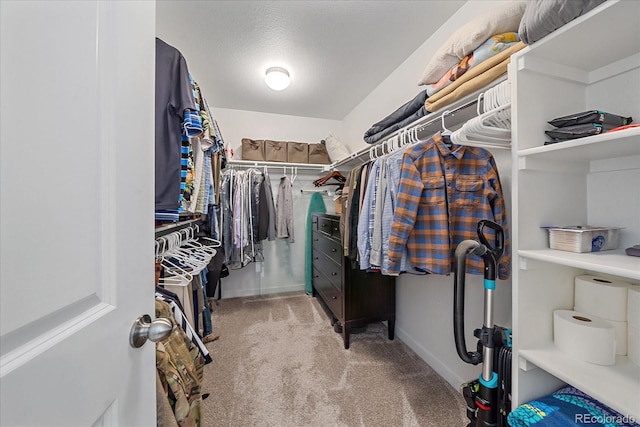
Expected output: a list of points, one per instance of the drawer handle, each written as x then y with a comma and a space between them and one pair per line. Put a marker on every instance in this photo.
333, 249
316, 276
334, 274
315, 257
315, 240
335, 228
334, 297
324, 225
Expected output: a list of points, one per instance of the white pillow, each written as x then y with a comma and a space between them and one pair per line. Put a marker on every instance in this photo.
501, 19
336, 149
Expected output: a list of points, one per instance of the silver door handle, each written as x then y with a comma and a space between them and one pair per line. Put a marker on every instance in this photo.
144, 329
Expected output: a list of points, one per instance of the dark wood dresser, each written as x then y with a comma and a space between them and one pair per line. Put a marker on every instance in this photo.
353, 297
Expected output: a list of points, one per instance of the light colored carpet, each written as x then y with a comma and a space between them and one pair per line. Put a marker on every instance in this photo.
278, 362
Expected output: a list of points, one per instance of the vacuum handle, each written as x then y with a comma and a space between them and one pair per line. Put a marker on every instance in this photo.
498, 247
465, 247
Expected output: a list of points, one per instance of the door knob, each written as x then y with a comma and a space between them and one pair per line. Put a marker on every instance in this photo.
144, 329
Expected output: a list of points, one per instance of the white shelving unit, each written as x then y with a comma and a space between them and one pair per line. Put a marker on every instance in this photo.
260, 164
591, 63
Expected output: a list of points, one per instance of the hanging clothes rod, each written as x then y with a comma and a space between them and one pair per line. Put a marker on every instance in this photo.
431, 121
311, 190
260, 164
169, 228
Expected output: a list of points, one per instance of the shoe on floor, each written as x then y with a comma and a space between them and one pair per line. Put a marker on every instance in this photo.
210, 338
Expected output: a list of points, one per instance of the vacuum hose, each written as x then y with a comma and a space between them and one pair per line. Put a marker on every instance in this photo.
465, 247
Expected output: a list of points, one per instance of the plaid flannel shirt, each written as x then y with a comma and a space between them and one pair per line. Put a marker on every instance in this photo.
442, 195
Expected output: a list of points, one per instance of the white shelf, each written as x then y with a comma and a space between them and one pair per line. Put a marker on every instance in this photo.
260, 164
615, 263
610, 145
589, 45
166, 228
617, 386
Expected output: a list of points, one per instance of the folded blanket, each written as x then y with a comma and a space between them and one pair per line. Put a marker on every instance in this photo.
469, 86
493, 46
406, 110
372, 139
567, 407
474, 79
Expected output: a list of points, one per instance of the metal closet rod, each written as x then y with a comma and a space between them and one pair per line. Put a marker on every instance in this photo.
415, 125
165, 229
468, 101
311, 190
260, 163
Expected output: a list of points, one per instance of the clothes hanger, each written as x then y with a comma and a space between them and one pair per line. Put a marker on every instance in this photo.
445, 133
177, 275
210, 249
190, 259
212, 243
191, 242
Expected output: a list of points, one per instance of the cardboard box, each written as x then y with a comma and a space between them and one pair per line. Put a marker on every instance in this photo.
338, 205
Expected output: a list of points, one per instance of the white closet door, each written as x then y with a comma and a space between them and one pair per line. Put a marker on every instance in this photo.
77, 138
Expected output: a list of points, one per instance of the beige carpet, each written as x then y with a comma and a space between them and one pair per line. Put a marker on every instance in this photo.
278, 362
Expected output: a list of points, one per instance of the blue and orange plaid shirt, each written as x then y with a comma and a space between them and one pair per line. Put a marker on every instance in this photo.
442, 195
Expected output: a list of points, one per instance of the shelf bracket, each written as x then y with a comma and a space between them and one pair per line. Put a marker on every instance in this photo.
525, 365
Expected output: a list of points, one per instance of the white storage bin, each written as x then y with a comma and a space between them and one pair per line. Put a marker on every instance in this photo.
583, 238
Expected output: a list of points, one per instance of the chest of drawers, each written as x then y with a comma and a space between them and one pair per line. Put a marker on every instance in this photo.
354, 298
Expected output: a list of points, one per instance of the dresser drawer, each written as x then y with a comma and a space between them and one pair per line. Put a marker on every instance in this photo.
329, 226
331, 296
329, 267
332, 248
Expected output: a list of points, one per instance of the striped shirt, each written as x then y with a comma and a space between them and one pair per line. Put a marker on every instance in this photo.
442, 195
181, 321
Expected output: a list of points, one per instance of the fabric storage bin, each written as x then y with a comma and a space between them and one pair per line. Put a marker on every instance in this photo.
252, 149
318, 154
297, 152
275, 151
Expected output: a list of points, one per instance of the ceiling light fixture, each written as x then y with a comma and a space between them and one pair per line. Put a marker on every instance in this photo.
277, 78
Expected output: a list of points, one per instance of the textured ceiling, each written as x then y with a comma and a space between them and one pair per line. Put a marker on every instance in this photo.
336, 51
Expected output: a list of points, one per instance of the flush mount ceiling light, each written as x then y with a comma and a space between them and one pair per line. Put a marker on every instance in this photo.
277, 78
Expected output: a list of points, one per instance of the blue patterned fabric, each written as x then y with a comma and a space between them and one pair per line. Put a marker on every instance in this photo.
568, 407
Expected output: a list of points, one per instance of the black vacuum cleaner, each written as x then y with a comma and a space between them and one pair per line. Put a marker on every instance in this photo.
488, 400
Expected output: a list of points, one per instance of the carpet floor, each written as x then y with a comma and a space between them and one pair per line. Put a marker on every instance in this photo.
278, 362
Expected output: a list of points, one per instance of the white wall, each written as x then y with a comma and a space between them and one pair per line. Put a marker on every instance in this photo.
424, 303
238, 124
402, 85
283, 267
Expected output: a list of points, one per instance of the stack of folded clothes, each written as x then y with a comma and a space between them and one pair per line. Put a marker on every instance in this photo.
403, 116
486, 63
474, 55
586, 123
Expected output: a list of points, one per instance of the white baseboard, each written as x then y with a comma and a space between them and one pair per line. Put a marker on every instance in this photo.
442, 369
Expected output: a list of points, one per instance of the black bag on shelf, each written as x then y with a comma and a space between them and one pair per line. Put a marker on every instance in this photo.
577, 131
591, 116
